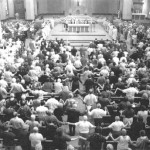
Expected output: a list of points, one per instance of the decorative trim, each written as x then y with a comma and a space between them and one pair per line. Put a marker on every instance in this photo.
53, 14
104, 14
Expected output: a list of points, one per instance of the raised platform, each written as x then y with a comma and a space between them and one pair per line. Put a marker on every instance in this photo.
81, 38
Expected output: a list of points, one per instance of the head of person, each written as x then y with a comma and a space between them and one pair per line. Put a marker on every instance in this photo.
85, 118
117, 118
49, 112
131, 85
98, 130
23, 103
90, 91
15, 114
33, 117
109, 147
70, 147
74, 106
112, 73
119, 79
59, 132
98, 105
35, 130
23, 96
142, 133
59, 80
140, 119
12, 95
70, 95
124, 132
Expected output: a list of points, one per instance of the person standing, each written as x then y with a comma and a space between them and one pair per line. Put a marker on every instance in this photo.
97, 114
116, 127
73, 117
96, 139
84, 129
61, 139
123, 140
90, 99
36, 139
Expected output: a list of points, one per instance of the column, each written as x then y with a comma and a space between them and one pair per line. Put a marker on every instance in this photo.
30, 12
11, 8
0, 30
35, 8
127, 9
148, 9
3, 9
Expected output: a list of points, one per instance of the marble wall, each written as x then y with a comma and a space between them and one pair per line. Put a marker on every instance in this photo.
28, 9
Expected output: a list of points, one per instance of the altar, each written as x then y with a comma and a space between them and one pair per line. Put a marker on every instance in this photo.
78, 27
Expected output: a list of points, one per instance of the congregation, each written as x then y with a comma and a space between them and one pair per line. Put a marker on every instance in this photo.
41, 81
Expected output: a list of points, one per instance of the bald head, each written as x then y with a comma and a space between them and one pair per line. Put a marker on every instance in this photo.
33, 117
35, 129
85, 118
98, 105
117, 118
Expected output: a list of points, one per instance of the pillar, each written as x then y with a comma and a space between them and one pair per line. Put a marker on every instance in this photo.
0, 30
35, 8
11, 8
127, 9
148, 9
3, 10
30, 12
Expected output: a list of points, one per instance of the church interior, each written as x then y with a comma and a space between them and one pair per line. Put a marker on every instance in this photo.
74, 74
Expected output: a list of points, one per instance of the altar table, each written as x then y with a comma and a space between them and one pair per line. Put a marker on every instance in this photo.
78, 27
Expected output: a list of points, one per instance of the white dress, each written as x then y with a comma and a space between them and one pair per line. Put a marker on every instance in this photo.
123, 143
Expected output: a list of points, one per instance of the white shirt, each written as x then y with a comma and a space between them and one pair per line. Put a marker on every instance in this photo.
58, 86
144, 115
70, 68
117, 126
84, 126
41, 110
90, 99
97, 113
77, 64
3, 83
116, 60
123, 142
52, 104
36, 139
130, 92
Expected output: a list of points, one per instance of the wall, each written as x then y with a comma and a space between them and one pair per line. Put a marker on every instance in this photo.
19, 7
51, 6
92, 6
42, 6
105, 6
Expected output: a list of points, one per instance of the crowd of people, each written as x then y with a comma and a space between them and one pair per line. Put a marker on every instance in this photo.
41, 81
110, 28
